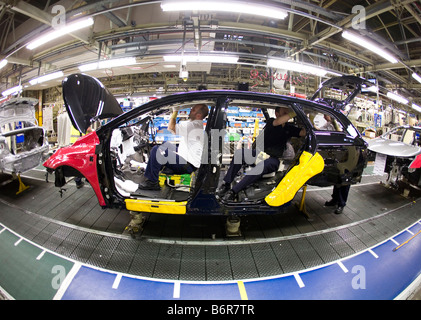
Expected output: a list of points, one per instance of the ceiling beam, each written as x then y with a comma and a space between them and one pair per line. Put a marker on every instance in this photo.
31, 63
110, 15
370, 11
412, 12
304, 22
388, 66
46, 18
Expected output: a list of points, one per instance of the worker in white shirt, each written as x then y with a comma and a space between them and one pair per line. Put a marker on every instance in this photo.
182, 159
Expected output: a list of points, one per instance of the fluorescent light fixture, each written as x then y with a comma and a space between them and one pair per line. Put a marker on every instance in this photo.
416, 77
397, 98
201, 58
12, 91
373, 89
3, 63
68, 28
370, 88
416, 107
106, 64
368, 45
47, 77
184, 74
88, 66
296, 66
257, 9
336, 74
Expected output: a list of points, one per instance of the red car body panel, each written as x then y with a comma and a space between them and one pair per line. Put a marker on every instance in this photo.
80, 156
416, 164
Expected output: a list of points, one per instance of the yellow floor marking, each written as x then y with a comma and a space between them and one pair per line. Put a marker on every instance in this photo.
242, 289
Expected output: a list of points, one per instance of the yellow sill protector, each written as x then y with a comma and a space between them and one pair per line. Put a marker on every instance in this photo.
308, 166
168, 207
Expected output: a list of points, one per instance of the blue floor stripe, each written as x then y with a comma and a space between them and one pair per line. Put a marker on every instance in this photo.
224, 291
96, 284
367, 277
277, 289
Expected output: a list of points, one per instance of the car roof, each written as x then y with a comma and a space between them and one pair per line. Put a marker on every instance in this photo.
253, 98
193, 97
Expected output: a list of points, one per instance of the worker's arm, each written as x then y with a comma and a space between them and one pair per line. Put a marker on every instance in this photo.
173, 122
303, 132
283, 119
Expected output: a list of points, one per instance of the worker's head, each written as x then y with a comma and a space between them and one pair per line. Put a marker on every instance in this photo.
280, 111
198, 112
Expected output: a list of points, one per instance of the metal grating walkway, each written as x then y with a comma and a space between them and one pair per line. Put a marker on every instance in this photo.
182, 248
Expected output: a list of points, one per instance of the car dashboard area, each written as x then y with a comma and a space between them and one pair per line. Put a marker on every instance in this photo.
129, 149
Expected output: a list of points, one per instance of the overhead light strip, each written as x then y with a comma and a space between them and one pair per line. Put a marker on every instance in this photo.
416, 107
47, 77
201, 58
225, 6
3, 63
12, 91
68, 28
106, 64
361, 41
416, 77
296, 66
397, 98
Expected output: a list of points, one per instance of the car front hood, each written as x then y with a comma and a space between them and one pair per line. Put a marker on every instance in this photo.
86, 100
393, 148
18, 109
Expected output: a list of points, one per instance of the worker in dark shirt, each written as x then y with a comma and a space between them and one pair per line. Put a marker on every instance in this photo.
277, 133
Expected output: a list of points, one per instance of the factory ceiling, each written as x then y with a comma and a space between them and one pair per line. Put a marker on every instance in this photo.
311, 33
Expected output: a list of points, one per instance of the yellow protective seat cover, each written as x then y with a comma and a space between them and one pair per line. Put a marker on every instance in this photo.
309, 165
